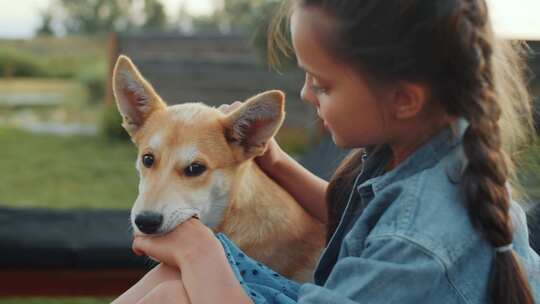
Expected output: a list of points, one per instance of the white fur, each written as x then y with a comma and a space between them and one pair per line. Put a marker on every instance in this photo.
186, 155
138, 166
212, 212
156, 140
186, 113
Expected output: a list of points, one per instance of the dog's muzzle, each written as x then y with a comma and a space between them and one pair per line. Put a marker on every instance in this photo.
149, 222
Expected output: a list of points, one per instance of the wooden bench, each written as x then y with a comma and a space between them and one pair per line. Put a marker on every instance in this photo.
67, 253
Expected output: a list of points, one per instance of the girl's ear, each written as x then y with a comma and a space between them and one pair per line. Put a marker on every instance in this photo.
253, 124
409, 99
135, 97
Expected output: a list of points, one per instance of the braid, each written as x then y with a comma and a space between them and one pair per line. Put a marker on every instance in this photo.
484, 178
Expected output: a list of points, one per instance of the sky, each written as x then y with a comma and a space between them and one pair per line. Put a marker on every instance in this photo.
20, 18
511, 18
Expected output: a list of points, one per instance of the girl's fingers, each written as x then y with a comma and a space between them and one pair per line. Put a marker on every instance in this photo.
236, 104
223, 108
137, 251
137, 246
226, 108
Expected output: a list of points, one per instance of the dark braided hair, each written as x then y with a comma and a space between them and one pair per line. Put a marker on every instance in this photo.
448, 45
484, 179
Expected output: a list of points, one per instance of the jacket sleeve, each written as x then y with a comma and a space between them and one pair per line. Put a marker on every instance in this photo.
389, 270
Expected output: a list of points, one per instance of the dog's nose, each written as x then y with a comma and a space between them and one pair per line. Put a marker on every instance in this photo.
149, 222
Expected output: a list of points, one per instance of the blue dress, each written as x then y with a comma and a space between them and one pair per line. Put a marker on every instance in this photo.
261, 283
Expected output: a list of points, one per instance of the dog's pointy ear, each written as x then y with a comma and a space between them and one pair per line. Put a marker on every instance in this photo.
253, 124
135, 97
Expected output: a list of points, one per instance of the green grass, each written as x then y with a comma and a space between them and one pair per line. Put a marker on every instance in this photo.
65, 172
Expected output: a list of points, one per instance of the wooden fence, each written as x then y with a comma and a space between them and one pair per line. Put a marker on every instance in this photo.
213, 69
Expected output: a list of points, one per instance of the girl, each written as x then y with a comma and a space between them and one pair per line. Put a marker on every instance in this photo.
421, 211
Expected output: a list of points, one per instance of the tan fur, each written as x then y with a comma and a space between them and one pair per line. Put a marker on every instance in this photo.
260, 217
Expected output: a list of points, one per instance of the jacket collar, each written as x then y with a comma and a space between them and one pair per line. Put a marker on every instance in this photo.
426, 156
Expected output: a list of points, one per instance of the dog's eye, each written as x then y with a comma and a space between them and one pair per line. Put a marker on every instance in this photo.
194, 169
148, 160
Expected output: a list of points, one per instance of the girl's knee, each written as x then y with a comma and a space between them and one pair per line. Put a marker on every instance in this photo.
167, 292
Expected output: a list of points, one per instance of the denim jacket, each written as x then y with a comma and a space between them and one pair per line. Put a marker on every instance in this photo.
405, 236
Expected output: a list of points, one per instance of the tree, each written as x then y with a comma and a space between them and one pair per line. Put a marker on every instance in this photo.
247, 17
156, 19
45, 29
96, 16
238, 16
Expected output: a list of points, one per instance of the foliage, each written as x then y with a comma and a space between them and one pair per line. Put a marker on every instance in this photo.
94, 79
95, 16
248, 17
242, 16
14, 63
65, 172
529, 170
111, 124
45, 29
263, 18
50, 57
156, 19
83, 17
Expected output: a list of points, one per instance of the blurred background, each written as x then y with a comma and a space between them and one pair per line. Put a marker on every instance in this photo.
62, 150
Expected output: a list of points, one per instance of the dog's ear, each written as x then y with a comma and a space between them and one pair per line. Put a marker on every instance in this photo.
253, 124
135, 97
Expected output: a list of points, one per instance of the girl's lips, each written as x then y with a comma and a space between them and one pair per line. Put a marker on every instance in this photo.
321, 118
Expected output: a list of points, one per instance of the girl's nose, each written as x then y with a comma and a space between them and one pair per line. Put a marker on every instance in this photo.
307, 94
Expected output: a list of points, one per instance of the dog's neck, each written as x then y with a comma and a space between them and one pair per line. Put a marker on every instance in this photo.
248, 181
256, 196
249, 184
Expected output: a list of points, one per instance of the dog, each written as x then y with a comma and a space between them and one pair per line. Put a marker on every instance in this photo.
194, 160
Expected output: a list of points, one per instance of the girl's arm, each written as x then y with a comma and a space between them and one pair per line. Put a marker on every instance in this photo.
194, 249
210, 279
308, 189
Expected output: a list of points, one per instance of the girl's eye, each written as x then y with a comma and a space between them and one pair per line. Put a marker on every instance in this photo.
148, 160
317, 90
194, 169
314, 85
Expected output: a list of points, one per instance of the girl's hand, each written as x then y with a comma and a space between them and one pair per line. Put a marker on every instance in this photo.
273, 152
188, 241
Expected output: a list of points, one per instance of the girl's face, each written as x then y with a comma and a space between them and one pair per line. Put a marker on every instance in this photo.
351, 110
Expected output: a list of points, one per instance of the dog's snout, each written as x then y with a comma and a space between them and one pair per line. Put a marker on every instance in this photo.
149, 222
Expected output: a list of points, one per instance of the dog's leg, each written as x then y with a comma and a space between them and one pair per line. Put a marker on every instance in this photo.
153, 278
169, 292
